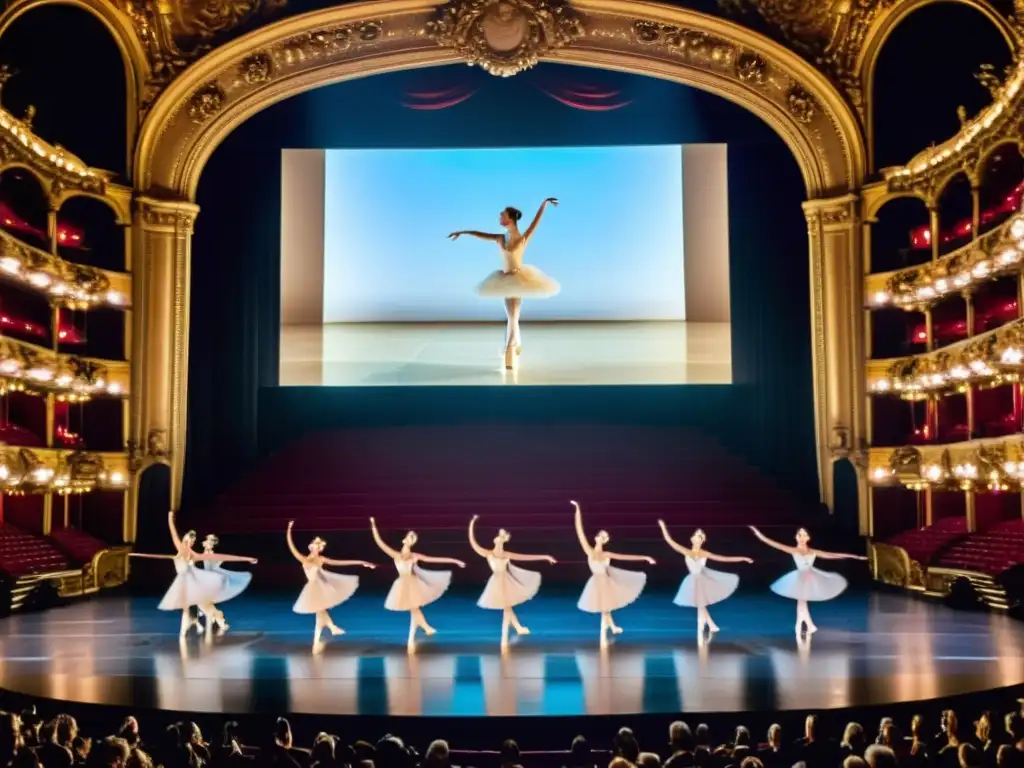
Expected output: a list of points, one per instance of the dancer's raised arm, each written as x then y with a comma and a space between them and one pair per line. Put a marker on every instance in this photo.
472, 539
291, 544
580, 533
221, 558
772, 543
150, 557
634, 558
174, 531
535, 558
392, 553
437, 560
477, 235
684, 551
725, 558
352, 563
536, 219
836, 555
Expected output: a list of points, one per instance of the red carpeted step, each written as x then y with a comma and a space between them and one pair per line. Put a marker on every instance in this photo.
22, 554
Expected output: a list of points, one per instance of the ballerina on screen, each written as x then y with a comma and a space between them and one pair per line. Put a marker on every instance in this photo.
515, 280
702, 586
509, 584
415, 587
807, 583
608, 588
324, 590
192, 586
235, 583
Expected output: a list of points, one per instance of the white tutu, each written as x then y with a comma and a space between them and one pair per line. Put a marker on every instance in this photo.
609, 588
192, 586
525, 282
809, 583
235, 582
704, 586
416, 587
324, 590
509, 585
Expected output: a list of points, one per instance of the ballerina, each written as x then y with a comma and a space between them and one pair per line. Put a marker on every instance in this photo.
509, 585
324, 590
807, 583
608, 588
235, 583
514, 280
415, 587
192, 586
702, 586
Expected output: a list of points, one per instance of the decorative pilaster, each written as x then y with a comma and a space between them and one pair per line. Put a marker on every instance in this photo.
160, 338
837, 329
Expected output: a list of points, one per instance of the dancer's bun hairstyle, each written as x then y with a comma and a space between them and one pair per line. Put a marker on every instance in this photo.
514, 213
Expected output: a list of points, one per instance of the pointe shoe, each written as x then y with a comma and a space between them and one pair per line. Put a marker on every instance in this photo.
519, 349
811, 629
429, 631
712, 628
199, 628
522, 630
616, 630
510, 361
336, 630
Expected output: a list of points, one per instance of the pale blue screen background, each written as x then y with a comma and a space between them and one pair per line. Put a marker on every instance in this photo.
615, 243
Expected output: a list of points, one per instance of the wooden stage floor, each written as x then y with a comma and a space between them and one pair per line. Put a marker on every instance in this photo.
871, 649
469, 354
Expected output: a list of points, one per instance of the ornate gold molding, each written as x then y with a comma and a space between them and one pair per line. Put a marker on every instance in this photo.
995, 464
27, 367
893, 566
49, 470
996, 253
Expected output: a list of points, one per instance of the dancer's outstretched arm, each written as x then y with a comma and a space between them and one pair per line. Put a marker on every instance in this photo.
151, 557
380, 542
580, 533
472, 539
726, 558
174, 531
772, 543
477, 235
835, 555
438, 560
684, 551
291, 544
536, 219
353, 563
633, 558
535, 558
226, 558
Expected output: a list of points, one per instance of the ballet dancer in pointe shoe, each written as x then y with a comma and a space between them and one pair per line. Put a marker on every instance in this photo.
415, 587
235, 583
515, 280
192, 586
807, 583
702, 586
608, 588
324, 590
509, 585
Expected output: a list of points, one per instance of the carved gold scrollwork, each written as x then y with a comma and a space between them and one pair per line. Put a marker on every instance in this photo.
696, 46
255, 69
505, 37
751, 69
892, 565
802, 105
205, 103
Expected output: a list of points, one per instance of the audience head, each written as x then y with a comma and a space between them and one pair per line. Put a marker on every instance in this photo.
742, 737
853, 738
703, 735
680, 739
968, 756
880, 756
751, 762
129, 731
138, 759
620, 762
509, 752
775, 736
323, 749
854, 762
648, 760
702, 757
810, 724
1008, 756
110, 752
438, 755
283, 733
626, 745
580, 751
1015, 726
10, 736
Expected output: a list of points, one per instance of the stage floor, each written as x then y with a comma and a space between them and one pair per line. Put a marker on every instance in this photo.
871, 649
469, 354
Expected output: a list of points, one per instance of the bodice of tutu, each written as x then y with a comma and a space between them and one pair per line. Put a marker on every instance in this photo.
599, 567
695, 564
404, 567
803, 562
311, 571
181, 564
212, 565
512, 253
498, 564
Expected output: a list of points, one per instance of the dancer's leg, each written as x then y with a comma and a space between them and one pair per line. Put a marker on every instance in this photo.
505, 619
605, 621
704, 617
421, 621
803, 617
412, 630
615, 628
519, 628
509, 323
517, 339
318, 631
186, 621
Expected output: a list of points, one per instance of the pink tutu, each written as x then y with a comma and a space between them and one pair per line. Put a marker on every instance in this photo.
525, 282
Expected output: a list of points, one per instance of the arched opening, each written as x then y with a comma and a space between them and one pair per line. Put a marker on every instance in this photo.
236, 269
24, 206
900, 235
76, 82
956, 214
1001, 186
926, 70
88, 233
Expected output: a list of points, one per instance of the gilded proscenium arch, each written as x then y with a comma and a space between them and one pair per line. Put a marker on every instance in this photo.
226, 87
136, 65
883, 26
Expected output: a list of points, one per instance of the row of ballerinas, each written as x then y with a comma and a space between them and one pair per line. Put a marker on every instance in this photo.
609, 588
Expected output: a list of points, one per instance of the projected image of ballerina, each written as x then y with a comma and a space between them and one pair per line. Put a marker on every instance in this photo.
515, 280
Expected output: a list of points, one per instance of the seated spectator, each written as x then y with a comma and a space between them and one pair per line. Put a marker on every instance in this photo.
680, 746
774, 754
648, 760
880, 756
626, 746
853, 743
510, 754
580, 755
438, 755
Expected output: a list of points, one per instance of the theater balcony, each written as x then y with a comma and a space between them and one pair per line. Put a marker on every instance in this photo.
65, 315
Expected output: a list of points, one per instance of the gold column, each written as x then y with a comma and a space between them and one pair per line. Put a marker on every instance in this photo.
969, 314
160, 338
975, 212
47, 513
837, 330
933, 221
929, 507
972, 515
929, 330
